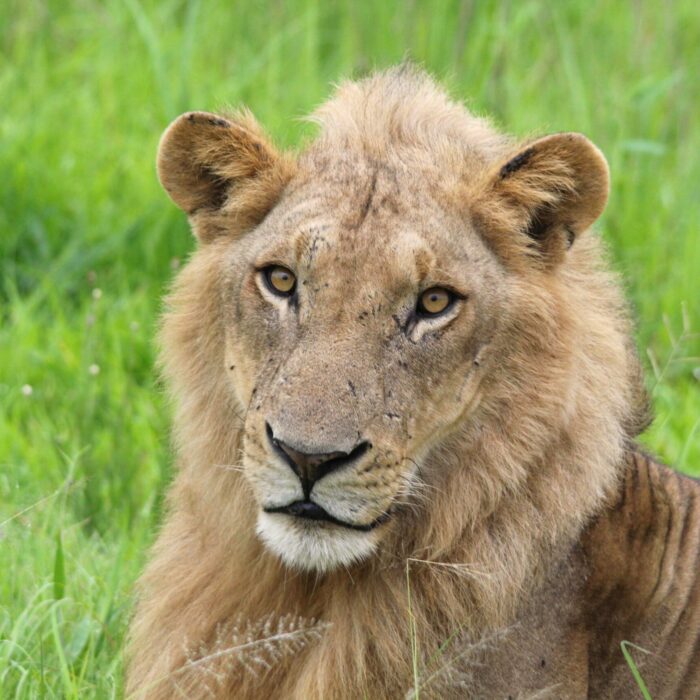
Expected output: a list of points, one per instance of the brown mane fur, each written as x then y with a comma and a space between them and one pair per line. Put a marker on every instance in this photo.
510, 492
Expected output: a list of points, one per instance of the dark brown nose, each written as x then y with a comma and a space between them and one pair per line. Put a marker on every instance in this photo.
312, 466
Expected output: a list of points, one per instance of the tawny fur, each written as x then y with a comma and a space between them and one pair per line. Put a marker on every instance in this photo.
500, 442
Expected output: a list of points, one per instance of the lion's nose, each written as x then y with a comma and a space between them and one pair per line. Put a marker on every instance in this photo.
312, 466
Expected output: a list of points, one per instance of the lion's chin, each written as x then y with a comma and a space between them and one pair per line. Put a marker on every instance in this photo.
311, 545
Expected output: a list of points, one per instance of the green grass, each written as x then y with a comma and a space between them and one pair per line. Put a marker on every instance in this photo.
86, 89
634, 670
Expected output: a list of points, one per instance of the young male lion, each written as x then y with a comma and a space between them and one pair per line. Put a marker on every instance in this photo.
407, 398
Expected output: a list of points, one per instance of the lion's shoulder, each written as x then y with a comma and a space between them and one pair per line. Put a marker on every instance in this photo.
643, 556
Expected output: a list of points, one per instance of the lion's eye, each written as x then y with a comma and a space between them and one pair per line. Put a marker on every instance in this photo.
280, 280
434, 301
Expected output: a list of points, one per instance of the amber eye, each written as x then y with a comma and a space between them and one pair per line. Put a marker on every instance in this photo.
434, 301
280, 280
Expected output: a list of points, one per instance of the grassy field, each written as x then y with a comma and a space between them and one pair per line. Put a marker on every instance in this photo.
88, 242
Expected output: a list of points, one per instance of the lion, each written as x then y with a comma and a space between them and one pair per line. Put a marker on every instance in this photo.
407, 397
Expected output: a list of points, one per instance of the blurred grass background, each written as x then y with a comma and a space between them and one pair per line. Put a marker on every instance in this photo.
88, 242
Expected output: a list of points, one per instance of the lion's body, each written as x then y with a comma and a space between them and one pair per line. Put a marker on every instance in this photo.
507, 537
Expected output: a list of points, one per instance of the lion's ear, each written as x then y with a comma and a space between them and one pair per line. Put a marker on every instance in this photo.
539, 200
210, 165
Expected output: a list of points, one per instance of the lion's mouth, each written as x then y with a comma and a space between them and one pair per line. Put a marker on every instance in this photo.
312, 511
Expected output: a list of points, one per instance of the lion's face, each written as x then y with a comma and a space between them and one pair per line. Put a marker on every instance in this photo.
351, 316
363, 300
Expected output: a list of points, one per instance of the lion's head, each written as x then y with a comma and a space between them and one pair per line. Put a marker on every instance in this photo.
409, 282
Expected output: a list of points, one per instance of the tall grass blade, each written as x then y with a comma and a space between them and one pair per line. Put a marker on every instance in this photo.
59, 570
633, 667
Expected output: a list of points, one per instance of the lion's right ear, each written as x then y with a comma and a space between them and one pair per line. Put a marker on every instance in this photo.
212, 166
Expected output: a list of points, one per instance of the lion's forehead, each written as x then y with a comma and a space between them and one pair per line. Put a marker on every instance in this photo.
357, 189
377, 227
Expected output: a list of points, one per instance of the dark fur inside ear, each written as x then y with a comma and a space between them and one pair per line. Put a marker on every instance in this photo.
215, 190
543, 197
549, 235
208, 164
539, 225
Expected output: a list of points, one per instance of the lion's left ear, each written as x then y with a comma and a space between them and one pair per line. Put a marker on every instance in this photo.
538, 201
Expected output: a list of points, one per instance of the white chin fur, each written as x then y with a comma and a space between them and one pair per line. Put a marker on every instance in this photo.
313, 546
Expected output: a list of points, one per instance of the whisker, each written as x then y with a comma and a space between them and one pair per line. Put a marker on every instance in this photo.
456, 567
229, 467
